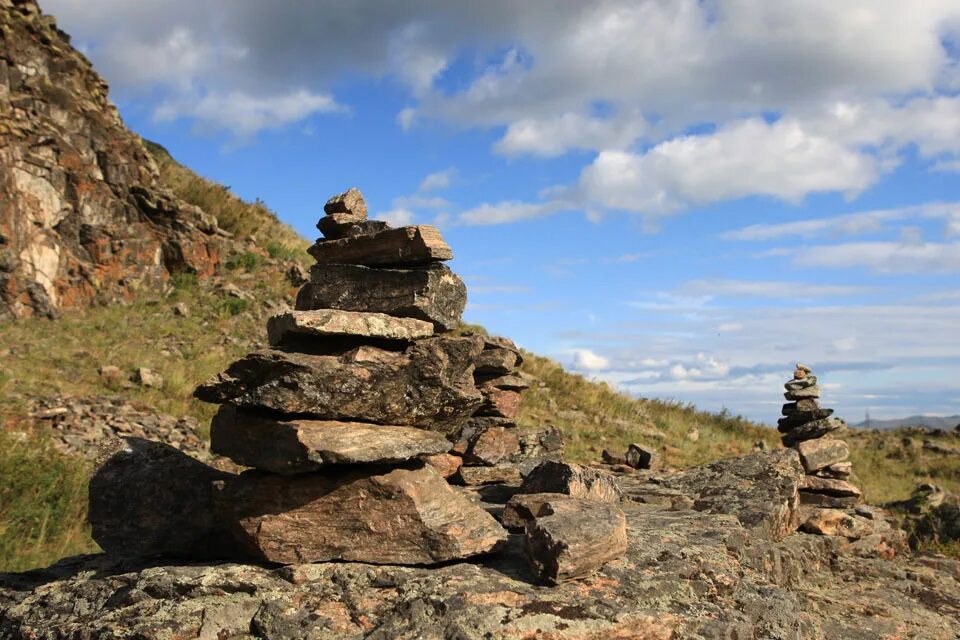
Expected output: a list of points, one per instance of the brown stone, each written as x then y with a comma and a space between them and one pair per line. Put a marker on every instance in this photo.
839, 470
150, 499
614, 459
496, 362
799, 374
500, 403
335, 322
427, 385
524, 507
833, 522
573, 480
832, 502
799, 418
802, 383
492, 445
445, 464
821, 452
802, 394
807, 405
473, 476
432, 292
574, 538
404, 516
829, 487
404, 246
811, 430
804, 368
349, 204
641, 457
511, 383
299, 446
334, 230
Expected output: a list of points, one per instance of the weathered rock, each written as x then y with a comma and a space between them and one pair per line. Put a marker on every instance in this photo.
829, 487
428, 385
805, 383
492, 446
148, 499
811, 430
760, 489
613, 458
641, 457
808, 405
335, 322
572, 538
827, 501
833, 522
839, 470
404, 516
539, 443
445, 464
334, 231
404, 246
804, 368
500, 342
432, 293
500, 403
798, 418
573, 480
522, 508
821, 452
496, 362
474, 476
299, 446
349, 204
510, 383
147, 378
802, 394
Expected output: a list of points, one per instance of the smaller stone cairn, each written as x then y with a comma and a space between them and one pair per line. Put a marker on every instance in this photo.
809, 428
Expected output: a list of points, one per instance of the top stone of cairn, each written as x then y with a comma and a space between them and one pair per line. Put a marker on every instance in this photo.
349, 206
347, 216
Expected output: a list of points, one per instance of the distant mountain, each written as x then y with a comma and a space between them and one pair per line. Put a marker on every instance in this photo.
930, 422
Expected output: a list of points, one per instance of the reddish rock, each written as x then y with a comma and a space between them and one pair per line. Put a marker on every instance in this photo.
573, 538
445, 464
833, 522
573, 480
500, 402
474, 476
404, 516
521, 508
492, 446
404, 246
510, 382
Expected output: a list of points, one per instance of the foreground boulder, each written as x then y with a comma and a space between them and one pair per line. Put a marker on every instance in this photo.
403, 516
148, 499
299, 446
428, 385
571, 538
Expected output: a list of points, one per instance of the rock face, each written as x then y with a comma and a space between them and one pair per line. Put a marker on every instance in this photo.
403, 516
83, 217
149, 499
686, 573
432, 292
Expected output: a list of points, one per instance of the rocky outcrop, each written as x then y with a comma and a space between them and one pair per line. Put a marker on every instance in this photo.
82, 215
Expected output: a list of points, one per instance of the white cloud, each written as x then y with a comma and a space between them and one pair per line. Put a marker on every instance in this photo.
502, 212
769, 289
555, 135
396, 217
882, 257
589, 360
438, 180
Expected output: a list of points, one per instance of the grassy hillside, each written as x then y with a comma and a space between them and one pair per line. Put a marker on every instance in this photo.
43, 493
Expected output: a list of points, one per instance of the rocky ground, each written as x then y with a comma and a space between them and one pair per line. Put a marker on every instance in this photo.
704, 560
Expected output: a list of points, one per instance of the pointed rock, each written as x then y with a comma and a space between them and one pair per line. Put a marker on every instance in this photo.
432, 293
404, 516
299, 446
404, 246
334, 322
428, 385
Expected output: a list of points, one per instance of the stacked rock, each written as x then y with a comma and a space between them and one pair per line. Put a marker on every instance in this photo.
805, 426
345, 417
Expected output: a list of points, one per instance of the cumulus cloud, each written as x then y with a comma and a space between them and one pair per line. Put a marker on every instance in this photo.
769, 289
502, 212
396, 217
438, 180
588, 360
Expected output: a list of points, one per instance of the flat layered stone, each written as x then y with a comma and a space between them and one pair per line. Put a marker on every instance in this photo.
573, 538
808, 405
840, 470
500, 342
500, 403
803, 383
475, 476
573, 480
405, 516
821, 452
300, 446
428, 385
404, 246
811, 430
492, 446
496, 362
829, 487
813, 499
833, 522
432, 293
149, 499
793, 420
508, 382
801, 394
446, 464
336, 322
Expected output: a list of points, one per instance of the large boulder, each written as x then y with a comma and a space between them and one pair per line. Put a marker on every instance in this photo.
299, 446
148, 499
431, 292
428, 385
403, 516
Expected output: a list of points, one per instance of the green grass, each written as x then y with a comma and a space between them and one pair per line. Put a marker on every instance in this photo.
43, 503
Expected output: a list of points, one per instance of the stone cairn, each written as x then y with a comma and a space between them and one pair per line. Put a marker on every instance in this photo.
366, 403
807, 427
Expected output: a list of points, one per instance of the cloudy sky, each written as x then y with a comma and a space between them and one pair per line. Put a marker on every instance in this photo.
680, 197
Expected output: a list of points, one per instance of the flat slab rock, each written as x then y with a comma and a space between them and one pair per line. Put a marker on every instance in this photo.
821, 452
403, 516
403, 246
685, 574
574, 480
432, 293
427, 385
335, 322
300, 446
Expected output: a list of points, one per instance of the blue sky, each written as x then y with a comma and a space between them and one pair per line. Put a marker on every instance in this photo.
681, 198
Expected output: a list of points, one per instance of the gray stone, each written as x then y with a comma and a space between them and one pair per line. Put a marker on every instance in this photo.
404, 246
821, 452
574, 480
801, 394
335, 322
432, 293
641, 457
803, 383
496, 362
811, 430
